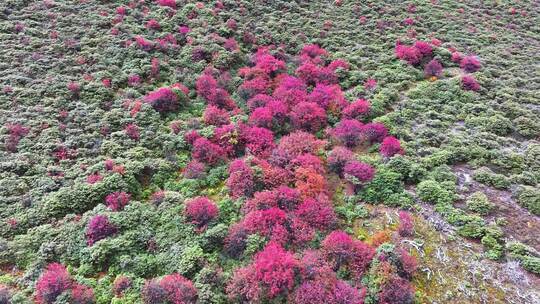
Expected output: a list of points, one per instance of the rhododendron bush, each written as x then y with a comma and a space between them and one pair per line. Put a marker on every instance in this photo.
347, 152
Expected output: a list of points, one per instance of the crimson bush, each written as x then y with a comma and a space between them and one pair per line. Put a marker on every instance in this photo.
200, 211
99, 228
390, 146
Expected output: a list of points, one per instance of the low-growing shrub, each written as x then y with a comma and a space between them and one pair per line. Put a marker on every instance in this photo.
200, 211
529, 197
99, 228
479, 203
432, 192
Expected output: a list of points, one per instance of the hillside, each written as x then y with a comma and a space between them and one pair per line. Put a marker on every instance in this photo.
234, 151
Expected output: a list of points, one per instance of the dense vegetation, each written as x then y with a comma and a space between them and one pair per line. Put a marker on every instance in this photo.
169, 151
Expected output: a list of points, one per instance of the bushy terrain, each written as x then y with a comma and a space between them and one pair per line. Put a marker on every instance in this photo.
170, 151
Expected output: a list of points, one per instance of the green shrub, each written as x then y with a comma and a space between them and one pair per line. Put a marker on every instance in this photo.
474, 227
432, 192
529, 198
479, 203
382, 186
411, 171
493, 243
486, 176
527, 256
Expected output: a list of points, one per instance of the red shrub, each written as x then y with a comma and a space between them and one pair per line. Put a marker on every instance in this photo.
358, 171
329, 97
16, 132
200, 211
235, 242
346, 294
194, 170
259, 141
231, 24
53, 282
274, 176
291, 91
319, 291
261, 200
357, 110
287, 198
339, 64
144, 44
406, 227
253, 87
279, 112
121, 284
390, 146
134, 80
261, 117
153, 293
268, 63
313, 53
408, 263
309, 183
157, 197
370, 84
470, 64
298, 143
457, 57
191, 136
309, 73
169, 3
271, 274
230, 140
318, 213
341, 250
81, 294
276, 269
207, 152
433, 68
315, 266
94, 178
408, 53
99, 228
207, 88
215, 116
349, 132
206, 85
116, 201
108, 164
179, 290
243, 288
301, 233
374, 131
308, 116
424, 48
74, 87
338, 158
265, 222
469, 83
172, 288
397, 291
153, 24
309, 161
241, 179
258, 101
132, 131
